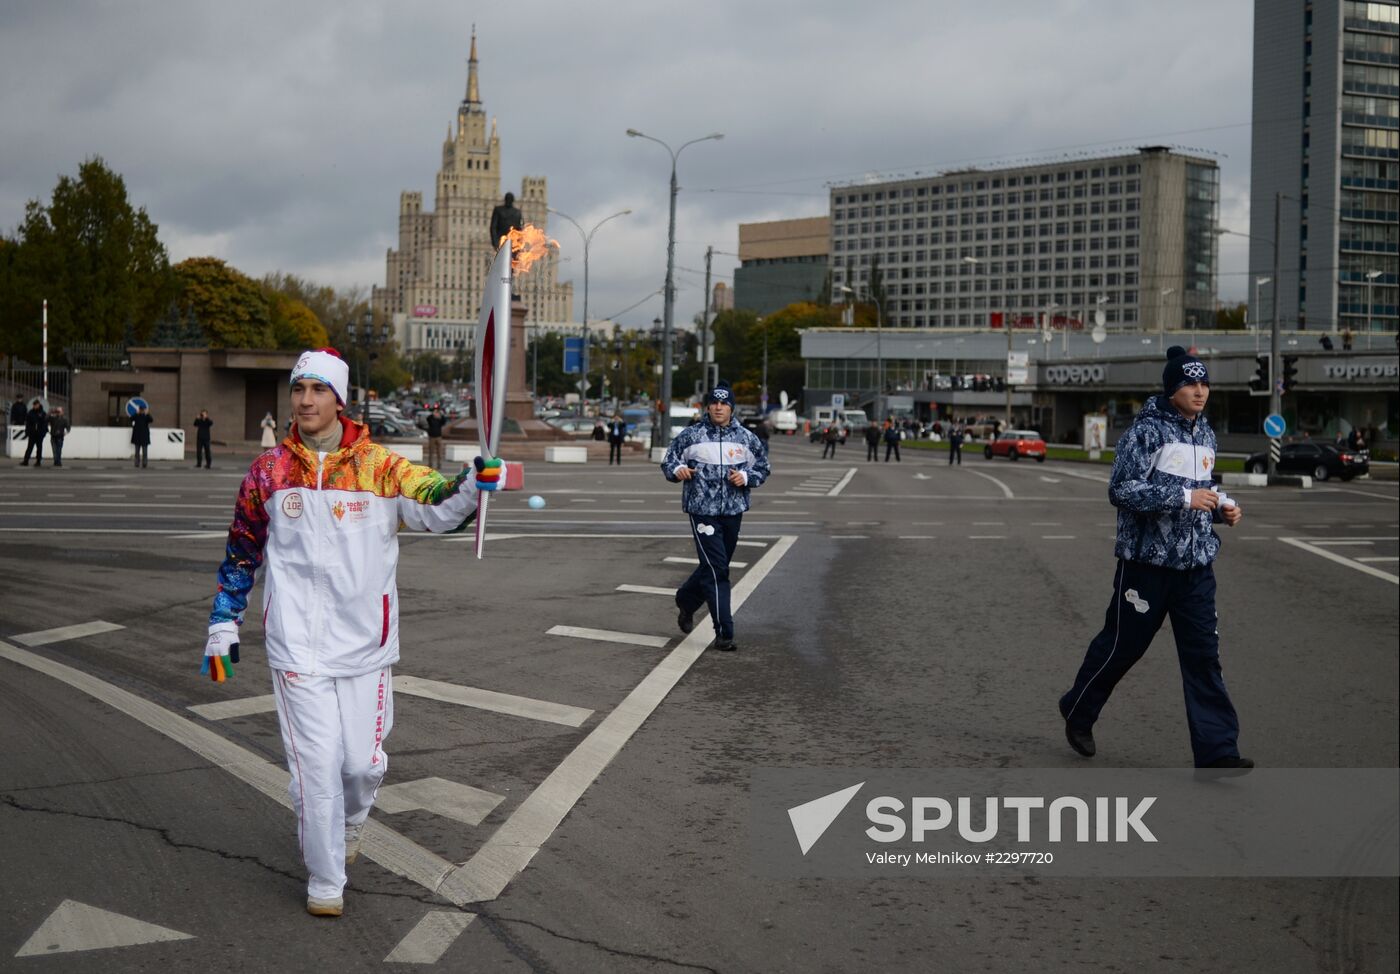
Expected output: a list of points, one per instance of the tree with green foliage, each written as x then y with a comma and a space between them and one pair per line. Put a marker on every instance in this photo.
95, 258
294, 325
1234, 317
232, 307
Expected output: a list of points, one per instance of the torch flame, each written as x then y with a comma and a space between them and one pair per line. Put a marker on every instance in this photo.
527, 245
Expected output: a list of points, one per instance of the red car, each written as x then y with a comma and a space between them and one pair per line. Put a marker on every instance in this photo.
1016, 444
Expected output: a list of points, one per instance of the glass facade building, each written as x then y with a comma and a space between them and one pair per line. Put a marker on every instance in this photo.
1326, 154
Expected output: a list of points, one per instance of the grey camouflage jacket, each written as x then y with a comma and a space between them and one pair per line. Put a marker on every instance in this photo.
713, 452
1161, 457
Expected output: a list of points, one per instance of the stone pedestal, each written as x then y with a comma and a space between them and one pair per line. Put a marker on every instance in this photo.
519, 422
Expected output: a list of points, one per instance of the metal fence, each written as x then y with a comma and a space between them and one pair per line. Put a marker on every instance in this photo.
22, 379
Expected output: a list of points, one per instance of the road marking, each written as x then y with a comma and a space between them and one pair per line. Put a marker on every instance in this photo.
609, 636
679, 560
932, 524
76, 926
844, 481
624, 501
399, 855
1331, 542
202, 536
1349, 562
463, 696
46, 636
1098, 478
1362, 493
1057, 537
461, 803
583, 500
1051, 480
646, 589
849, 537
1004, 489
1046, 524
989, 524
754, 544
860, 524
1378, 558
922, 476
430, 938
986, 537
782, 502
916, 537
515, 843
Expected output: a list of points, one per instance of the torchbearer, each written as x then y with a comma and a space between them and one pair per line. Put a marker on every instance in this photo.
320, 513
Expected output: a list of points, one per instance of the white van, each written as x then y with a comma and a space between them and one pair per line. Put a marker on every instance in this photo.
784, 421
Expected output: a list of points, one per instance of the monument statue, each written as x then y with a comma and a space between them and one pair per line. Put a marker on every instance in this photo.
504, 218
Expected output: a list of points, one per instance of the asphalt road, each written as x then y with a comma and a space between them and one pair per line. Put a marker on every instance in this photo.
559, 800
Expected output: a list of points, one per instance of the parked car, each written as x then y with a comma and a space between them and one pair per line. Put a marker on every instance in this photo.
1318, 460
982, 427
1015, 444
819, 430
384, 428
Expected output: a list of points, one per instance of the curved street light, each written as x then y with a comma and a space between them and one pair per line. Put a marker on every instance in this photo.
587, 240
670, 296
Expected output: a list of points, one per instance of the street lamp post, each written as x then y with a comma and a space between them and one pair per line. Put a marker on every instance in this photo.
587, 239
879, 348
670, 296
1162, 319
1370, 280
1254, 324
763, 398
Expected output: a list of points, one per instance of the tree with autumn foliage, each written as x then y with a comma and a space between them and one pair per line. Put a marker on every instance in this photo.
231, 307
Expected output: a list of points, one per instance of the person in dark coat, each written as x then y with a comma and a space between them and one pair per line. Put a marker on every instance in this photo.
203, 445
58, 429
955, 441
892, 441
872, 442
141, 435
617, 435
36, 427
435, 423
18, 412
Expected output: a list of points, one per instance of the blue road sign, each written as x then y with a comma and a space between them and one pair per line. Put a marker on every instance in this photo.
135, 403
1274, 425
573, 356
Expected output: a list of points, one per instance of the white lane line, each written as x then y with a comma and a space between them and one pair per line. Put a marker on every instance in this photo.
1363, 493
932, 524
394, 852
1004, 489
1336, 542
646, 589
1046, 524
77, 926
430, 938
609, 636
460, 803
203, 535
916, 537
46, 636
754, 544
583, 500
462, 696
844, 481
986, 537
782, 502
1057, 537
631, 502
1349, 562
1380, 558
1096, 477
1051, 480
515, 843
989, 524
861, 524
679, 560
493, 700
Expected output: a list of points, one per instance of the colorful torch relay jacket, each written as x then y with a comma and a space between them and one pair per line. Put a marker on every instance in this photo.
713, 451
326, 527
1161, 458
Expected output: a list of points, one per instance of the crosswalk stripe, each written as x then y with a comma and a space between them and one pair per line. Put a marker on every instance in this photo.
609, 636
46, 636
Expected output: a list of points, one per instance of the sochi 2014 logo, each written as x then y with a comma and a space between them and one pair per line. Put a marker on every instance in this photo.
338, 510
291, 505
1194, 370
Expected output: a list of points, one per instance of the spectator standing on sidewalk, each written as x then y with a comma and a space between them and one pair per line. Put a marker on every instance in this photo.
58, 429
436, 421
892, 441
141, 435
617, 435
36, 427
203, 445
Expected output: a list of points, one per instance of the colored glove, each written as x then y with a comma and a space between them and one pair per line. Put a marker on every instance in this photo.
490, 474
220, 652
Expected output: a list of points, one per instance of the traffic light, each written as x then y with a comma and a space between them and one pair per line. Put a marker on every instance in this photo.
1290, 372
1259, 385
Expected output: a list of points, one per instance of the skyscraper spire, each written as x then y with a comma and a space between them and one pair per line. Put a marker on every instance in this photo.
473, 94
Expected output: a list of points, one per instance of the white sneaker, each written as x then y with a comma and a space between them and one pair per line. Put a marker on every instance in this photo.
325, 908
353, 836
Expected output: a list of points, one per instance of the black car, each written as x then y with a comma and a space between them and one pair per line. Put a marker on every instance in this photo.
1318, 460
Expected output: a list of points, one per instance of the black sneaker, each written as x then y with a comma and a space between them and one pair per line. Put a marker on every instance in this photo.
1226, 768
684, 619
1081, 739
724, 644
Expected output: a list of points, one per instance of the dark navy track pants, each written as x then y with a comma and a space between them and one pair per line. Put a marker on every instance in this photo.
1143, 596
715, 538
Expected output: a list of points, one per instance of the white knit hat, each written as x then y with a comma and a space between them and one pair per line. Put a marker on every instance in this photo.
324, 365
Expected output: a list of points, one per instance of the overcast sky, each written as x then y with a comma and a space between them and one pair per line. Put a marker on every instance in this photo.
279, 135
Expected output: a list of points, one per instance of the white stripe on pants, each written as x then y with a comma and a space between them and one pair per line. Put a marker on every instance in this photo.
333, 730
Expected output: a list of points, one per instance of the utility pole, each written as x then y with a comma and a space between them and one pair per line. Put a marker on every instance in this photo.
705, 328
1275, 370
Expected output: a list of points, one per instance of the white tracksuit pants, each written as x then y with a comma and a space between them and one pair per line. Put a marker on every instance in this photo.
333, 730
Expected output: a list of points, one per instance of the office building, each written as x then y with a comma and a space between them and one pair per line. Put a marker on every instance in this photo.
1131, 235
1326, 152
